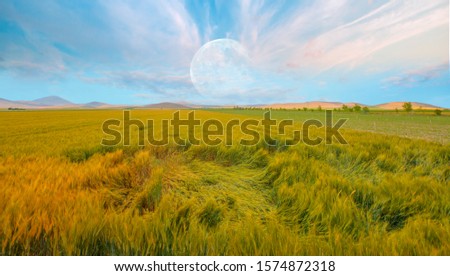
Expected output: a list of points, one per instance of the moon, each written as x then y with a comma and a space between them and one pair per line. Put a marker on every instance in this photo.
221, 68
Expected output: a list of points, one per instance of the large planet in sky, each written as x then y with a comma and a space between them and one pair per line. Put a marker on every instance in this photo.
221, 68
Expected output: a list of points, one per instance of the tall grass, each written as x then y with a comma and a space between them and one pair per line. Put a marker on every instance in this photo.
378, 195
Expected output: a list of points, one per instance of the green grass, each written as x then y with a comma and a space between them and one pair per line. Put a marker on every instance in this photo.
424, 125
62, 194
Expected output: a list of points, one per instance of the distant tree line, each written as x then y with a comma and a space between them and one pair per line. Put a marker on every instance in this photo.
407, 107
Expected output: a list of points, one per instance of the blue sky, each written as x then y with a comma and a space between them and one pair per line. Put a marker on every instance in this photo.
139, 52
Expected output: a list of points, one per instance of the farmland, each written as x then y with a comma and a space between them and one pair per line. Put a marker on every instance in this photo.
386, 192
421, 125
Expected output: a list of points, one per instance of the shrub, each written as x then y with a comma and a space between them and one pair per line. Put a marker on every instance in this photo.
407, 106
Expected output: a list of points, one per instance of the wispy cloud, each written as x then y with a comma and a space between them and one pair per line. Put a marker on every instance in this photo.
33, 69
153, 32
146, 47
169, 84
291, 44
417, 77
103, 34
144, 96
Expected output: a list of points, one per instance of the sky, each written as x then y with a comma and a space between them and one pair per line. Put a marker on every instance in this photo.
246, 52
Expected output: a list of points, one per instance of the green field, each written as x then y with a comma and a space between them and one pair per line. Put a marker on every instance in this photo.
424, 125
386, 192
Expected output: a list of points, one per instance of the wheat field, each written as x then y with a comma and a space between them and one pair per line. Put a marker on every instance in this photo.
63, 194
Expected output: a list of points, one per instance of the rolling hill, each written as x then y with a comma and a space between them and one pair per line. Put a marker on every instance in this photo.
399, 105
52, 101
55, 102
4, 103
166, 105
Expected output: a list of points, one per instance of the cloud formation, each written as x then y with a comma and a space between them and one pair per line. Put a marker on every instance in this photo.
147, 46
329, 33
416, 77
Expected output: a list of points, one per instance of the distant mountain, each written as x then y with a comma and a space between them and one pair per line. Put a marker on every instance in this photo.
166, 105
399, 105
95, 105
192, 105
55, 102
4, 103
46, 102
52, 101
